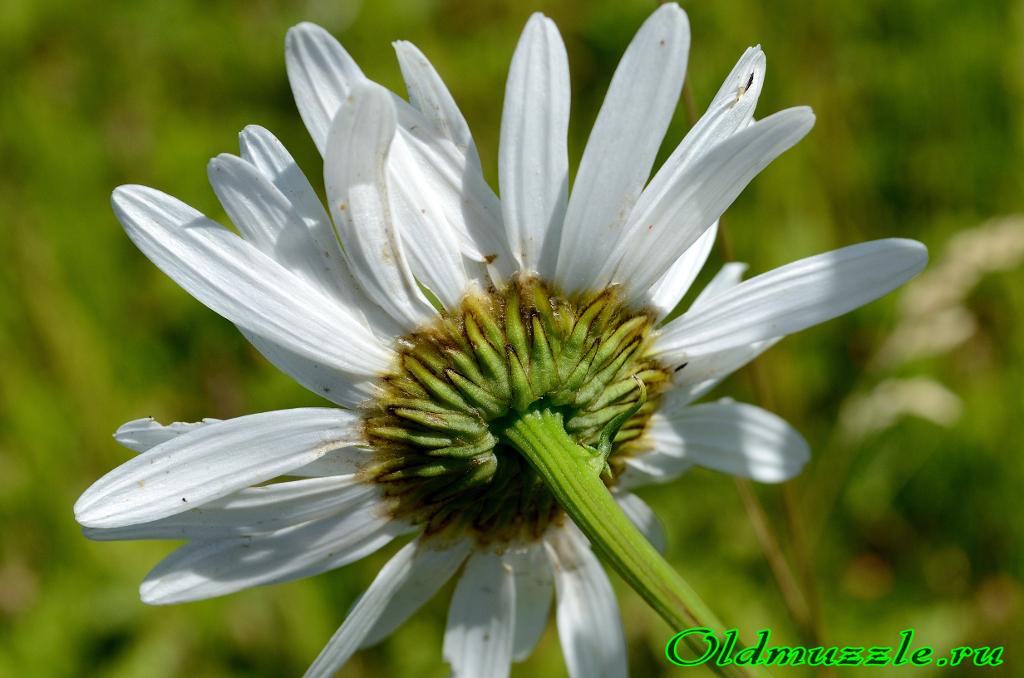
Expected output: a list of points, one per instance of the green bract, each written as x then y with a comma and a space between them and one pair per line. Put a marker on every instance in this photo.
438, 427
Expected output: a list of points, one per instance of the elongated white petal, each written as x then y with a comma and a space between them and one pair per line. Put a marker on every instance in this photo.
329, 266
245, 286
355, 165
793, 297
434, 252
255, 206
589, 624
668, 290
730, 111
322, 75
410, 578
659, 231
533, 159
306, 246
343, 388
340, 462
534, 588
212, 461
429, 95
481, 619
259, 147
728, 276
727, 436
703, 372
320, 72
637, 510
457, 188
623, 144
206, 569
141, 434
252, 510
433, 566
651, 468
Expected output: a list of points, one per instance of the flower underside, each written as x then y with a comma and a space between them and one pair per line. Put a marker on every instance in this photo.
438, 427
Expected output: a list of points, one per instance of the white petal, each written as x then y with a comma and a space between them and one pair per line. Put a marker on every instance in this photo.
340, 462
320, 72
703, 372
533, 160
206, 569
408, 580
251, 511
731, 110
481, 624
433, 248
355, 164
659, 231
793, 297
637, 510
457, 187
212, 461
343, 388
667, 291
266, 153
245, 286
534, 588
651, 468
623, 144
589, 624
263, 151
433, 566
255, 206
270, 221
141, 434
727, 436
728, 276
428, 94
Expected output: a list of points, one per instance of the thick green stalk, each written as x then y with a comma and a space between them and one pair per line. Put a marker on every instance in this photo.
572, 474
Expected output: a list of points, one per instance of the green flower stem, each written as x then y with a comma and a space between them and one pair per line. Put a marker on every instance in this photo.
572, 473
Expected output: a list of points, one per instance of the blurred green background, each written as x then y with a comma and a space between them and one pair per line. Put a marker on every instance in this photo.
909, 514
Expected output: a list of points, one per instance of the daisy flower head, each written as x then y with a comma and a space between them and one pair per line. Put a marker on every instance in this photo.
501, 370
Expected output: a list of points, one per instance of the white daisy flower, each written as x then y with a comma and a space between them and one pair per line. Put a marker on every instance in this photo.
457, 425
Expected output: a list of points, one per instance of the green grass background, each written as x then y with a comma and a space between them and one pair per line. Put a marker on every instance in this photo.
919, 134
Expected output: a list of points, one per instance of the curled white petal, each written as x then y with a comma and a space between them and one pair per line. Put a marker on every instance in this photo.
355, 176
